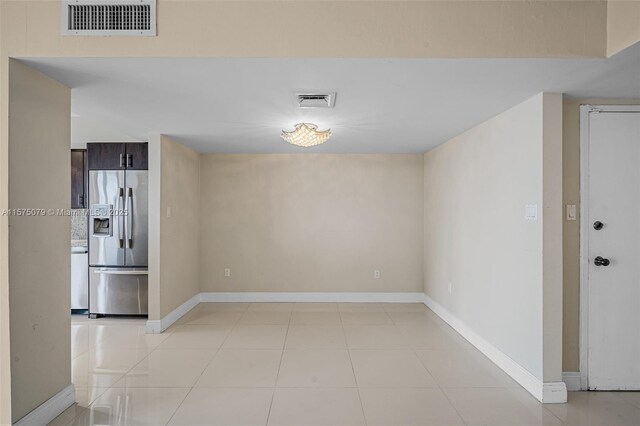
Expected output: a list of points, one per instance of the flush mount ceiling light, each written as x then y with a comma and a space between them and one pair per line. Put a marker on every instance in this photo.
306, 134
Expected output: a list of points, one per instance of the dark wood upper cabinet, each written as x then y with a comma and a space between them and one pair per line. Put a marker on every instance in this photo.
106, 156
79, 175
137, 156
117, 156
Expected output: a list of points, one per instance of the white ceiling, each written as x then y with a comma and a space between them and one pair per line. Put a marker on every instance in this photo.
382, 105
84, 129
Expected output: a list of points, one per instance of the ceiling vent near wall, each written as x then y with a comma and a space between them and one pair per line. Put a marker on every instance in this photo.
315, 100
108, 17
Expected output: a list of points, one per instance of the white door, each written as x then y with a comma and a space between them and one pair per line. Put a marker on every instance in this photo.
614, 250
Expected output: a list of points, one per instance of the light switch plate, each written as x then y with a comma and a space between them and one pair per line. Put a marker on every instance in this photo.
571, 212
531, 212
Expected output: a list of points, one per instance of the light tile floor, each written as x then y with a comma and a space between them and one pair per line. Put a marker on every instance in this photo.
306, 364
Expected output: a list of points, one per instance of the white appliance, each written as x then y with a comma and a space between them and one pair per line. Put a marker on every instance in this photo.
79, 278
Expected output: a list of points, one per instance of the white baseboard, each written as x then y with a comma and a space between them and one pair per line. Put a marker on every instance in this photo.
50, 409
554, 393
572, 380
535, 386
158, 326
313, 297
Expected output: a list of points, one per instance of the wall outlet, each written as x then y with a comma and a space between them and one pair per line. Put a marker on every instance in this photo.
376, 274
168, 211
449, 287
227, 272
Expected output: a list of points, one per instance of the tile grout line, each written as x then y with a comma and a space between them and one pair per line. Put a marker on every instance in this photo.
553, 414
179, 405
440, 388
353, 370
205, 369
107, 387
275, 385
110, 387
196, 381
437, 384
217, 350
453, 406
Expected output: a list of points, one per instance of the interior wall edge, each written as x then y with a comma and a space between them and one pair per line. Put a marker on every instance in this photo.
155, 227
552, 246
39, 109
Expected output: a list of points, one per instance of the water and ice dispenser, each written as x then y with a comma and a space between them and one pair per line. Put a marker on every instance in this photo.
102, 225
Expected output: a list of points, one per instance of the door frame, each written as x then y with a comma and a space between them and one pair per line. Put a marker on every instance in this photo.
585, 111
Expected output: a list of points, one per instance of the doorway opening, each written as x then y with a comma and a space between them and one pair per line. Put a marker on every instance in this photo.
610, 248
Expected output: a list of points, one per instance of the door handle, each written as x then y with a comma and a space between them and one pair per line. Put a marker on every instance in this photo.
121, 161
601, 261
597, 225
120, 220
129, 160
129, 208
109, 272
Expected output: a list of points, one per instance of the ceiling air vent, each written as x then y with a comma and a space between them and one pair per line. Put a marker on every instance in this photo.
108, 18
315, 100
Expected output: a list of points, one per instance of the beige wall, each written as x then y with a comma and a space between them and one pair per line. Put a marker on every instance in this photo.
180, 232
623, 24
155, 218
39, 253
552, 260
476, 236
431, 28
311, 223
571, 229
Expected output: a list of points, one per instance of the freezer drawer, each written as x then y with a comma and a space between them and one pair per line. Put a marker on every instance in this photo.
118, 291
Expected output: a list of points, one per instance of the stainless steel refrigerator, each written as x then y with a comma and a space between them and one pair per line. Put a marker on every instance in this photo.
118, 229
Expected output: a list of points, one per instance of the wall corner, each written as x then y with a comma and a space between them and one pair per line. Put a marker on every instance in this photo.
155, 186
552, 223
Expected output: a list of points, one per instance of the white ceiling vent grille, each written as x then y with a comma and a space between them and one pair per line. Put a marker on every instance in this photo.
108, 17
315, 100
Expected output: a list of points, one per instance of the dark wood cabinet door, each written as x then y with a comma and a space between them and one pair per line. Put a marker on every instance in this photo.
106, 156
78, 179
137, 156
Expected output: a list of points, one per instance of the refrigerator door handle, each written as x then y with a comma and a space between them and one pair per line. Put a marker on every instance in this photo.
129, 217
120, 220
119, 272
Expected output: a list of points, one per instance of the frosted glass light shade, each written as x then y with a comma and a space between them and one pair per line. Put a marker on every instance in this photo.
306, 135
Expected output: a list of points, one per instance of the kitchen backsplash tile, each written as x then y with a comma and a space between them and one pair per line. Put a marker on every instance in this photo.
79, 225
